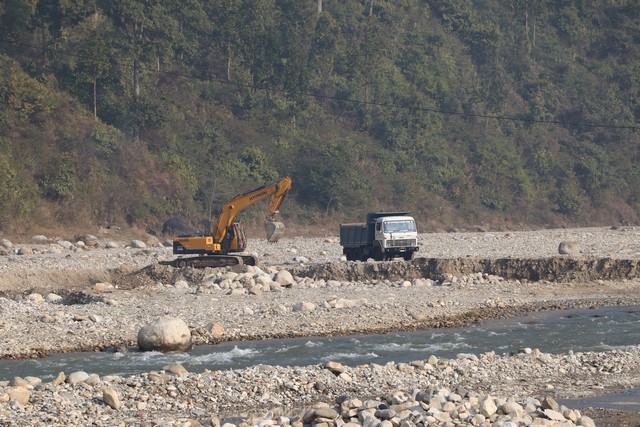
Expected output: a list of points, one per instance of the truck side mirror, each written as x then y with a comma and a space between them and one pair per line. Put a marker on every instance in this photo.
378, 225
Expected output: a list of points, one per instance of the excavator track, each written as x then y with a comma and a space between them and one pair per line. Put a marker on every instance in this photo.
214, 261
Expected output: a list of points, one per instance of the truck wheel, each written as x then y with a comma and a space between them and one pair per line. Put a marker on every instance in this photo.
350, 254
407, 256
377, 253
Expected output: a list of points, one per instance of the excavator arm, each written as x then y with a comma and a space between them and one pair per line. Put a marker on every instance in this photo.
227, 238
277, 191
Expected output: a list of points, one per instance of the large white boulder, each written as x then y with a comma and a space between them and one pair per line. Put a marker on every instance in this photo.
569, 248
165, 334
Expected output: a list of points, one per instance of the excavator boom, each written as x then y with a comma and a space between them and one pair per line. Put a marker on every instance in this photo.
226, 236
277, 191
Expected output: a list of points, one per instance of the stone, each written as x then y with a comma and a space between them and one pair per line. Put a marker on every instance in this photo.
33, 381
181, 284
304, 306
177, 369
215, 329
385, 414
165, 334
102, 287
488, 406
25, 250
550, 403
585, 422
152, 241
66, 244
87, 239
175, 227
568, 248
5, 243
138, 244
284, 278
513, 409
59, 379
334, 367
77, 377
19, 394
328, 413
35, 297
110, 397
52, 298
19, 382
554, 415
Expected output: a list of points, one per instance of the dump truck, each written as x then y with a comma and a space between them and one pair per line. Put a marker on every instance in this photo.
385, 236
224, 245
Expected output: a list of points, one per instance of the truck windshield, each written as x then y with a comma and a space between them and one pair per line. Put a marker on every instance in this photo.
399, 225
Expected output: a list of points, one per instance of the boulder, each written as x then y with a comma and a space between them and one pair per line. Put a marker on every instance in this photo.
488, 406
19, 394
304, 306
77, 377
165, 334
284, 278
87, 239
176, 227
110, 397
568, 248
177, 369
335, 367
25, 250
66, 244
138, 244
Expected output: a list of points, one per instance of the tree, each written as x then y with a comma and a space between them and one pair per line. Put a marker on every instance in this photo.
92, 57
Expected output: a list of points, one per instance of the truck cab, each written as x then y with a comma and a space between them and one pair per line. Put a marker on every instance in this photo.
396, 235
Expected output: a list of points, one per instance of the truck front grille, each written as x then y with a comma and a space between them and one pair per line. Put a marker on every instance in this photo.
402, 243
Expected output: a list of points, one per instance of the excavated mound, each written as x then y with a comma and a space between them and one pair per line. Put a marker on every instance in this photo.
555, 269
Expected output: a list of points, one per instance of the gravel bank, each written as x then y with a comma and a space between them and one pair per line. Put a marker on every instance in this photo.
64, 296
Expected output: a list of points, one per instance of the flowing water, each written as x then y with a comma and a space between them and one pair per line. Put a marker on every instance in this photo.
552, 332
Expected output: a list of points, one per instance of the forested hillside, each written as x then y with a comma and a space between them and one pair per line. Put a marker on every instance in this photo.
468, 112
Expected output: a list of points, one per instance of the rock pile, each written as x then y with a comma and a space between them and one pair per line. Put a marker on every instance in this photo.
469, 390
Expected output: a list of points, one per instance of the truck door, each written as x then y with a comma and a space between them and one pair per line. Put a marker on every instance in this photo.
379, 232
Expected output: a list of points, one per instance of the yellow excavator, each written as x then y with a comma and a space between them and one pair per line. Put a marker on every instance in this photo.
218, 248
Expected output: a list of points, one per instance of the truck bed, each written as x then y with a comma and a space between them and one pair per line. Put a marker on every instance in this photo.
353, 235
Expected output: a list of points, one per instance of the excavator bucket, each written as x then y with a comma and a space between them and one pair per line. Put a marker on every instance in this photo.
275, 230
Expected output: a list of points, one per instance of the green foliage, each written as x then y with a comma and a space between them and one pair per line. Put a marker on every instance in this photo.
59, 180
15, 16
179, 166
16, 194
568, 200
367, 105
257, 165
25, 96
330, 176
108, 138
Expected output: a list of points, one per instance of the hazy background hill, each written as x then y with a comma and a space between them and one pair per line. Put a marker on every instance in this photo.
502, 113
